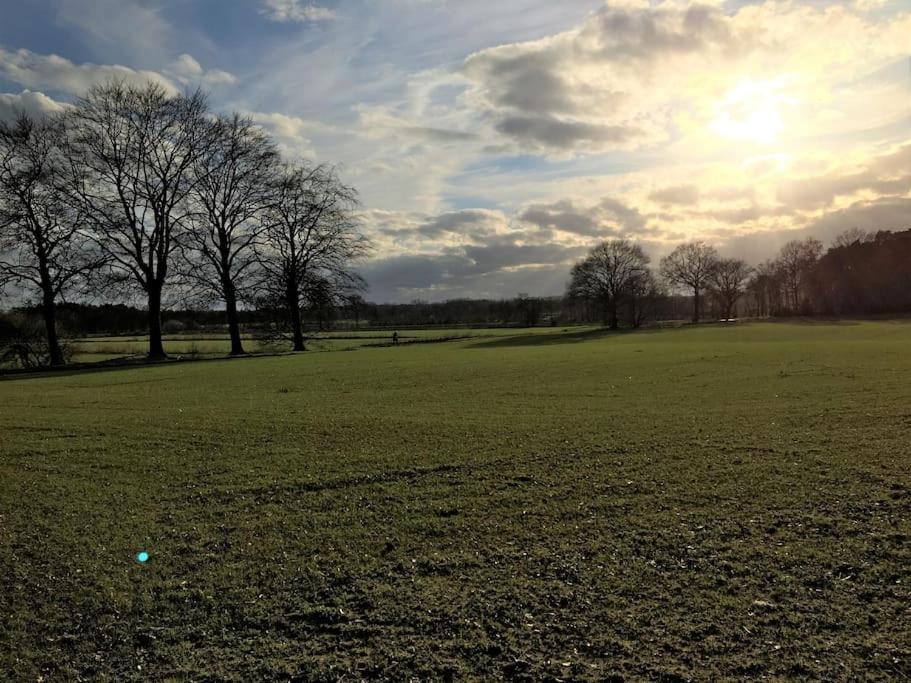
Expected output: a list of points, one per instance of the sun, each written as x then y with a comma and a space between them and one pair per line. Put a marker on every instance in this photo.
752, 111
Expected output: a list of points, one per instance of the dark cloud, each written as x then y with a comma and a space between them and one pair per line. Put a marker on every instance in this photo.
628, 217
624, 35
871, 216
608, 217
506, 253
685, 195
439, 135
476, 224
891, 213
536, 97
472, 270
561, 216
551, 132
470, 222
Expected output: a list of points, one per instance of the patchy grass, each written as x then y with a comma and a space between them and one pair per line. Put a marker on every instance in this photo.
714, 503
208, 345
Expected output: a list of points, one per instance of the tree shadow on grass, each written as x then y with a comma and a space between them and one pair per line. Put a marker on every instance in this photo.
532, 339
565, 337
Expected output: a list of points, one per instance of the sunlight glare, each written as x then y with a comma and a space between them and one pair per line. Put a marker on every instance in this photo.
752, 111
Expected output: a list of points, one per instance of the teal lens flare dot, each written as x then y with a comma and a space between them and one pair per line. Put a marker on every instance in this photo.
142, 557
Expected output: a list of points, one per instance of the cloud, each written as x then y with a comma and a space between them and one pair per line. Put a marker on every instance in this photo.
633, 75
34, 104
549, 132
607, 218
488, 252
892, 214
473, 224
186, 70
120, 30
295, 11
679, 194
292, 133
888, 174
501, 268
53, 72
378, 122
580, 90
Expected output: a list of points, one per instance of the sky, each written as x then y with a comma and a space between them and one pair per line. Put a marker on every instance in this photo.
494, 143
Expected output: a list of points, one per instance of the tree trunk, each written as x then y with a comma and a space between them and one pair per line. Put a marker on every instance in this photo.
49, 311
696, 305
612, 309
294, 309
156, 347
237, 347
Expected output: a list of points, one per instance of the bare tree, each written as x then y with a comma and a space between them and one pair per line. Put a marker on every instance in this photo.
765, 287
690, 265
233, 185
132, 154
795, 262
40, 244
311, 236
606, 275
850, 237
728, 282
645, 297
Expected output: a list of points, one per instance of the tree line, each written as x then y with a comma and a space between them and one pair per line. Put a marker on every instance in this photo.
861, 273
132, 190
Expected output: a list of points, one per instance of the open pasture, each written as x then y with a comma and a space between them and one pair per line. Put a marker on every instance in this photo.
213, 345
720, 502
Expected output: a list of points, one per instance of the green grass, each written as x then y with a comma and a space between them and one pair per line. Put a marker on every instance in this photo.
209, 345
712, 503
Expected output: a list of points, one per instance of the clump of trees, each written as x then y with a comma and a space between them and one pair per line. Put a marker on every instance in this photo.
860, 273
616, 276
133, 190
41, 245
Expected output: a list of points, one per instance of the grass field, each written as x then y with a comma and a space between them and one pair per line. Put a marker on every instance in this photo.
692, 503
208, 345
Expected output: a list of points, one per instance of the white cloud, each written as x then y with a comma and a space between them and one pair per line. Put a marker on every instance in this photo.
53, 72
186, 70
292, 133
34, 104
295, 10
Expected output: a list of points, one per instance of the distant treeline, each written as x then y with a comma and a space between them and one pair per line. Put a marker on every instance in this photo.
860, 274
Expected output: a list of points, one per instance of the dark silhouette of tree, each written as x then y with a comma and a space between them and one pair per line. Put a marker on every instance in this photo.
606, 275
40, 243
691, 266
133, 150
311, 236
728, 283
765, 287
866, 275
645, 298
851, 237
528, 309
233, 183
796, 261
